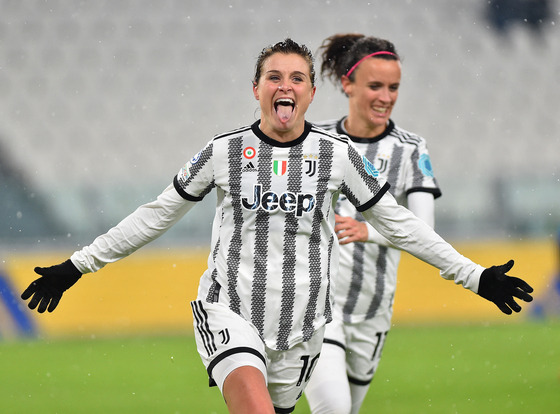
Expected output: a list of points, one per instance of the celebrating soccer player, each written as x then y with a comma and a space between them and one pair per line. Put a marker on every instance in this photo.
264, 300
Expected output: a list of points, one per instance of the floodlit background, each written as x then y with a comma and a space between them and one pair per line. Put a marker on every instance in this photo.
103, 102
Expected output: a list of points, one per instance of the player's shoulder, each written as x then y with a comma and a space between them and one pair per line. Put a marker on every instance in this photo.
334, 127
329, 134
407, 137
233, 133
329, 124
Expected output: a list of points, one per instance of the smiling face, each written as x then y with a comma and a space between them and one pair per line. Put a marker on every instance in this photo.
372, 96
284, 91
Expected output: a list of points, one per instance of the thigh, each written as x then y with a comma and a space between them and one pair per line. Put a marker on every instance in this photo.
225, 341
364, 346
289, 371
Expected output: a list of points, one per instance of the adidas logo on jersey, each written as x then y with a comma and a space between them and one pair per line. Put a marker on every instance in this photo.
249, 168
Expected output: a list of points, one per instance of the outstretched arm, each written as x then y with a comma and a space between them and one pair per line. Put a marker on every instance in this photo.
350, 230
142, 226
405, 231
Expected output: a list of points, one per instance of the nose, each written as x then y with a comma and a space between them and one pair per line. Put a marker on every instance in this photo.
385, 95
285, 87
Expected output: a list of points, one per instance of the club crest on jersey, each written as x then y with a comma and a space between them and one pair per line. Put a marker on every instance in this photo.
288, 202
383, 163
249, 153
279, 167
310, 162
369, 167
425, 165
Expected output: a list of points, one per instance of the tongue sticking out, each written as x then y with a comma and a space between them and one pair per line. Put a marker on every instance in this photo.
284, 110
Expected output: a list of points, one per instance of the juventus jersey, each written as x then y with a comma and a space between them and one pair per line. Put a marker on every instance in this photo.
273, 240
368, 271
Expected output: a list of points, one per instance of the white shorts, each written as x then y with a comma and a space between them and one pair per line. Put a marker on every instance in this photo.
363, 343
226, 341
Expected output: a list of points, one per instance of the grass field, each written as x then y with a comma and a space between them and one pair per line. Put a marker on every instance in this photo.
513, 368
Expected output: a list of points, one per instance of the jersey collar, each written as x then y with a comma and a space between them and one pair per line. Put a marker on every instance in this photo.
263, 137
341, 130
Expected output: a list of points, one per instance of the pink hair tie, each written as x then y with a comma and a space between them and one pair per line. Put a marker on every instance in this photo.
366, 57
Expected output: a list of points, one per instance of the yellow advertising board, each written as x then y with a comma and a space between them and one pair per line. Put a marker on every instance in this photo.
149, 292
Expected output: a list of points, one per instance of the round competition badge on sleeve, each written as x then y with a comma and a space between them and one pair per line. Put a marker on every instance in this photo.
195, 158
369, 167
425, 165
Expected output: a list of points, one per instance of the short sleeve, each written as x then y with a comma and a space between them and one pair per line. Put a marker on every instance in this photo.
420, 175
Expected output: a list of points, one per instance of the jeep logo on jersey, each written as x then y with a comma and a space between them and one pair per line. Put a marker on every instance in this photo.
287, 202
369, 167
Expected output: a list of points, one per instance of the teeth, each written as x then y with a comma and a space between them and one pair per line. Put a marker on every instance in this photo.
284, 101
379, 109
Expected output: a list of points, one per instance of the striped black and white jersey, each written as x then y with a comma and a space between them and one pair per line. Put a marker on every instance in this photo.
273, 241
368, 271
274, 251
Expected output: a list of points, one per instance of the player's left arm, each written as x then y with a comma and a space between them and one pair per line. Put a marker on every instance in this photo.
350, 230
407, 232
422, 204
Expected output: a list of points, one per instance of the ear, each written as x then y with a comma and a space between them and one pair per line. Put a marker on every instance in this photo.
347, 85
255, 90
313, 93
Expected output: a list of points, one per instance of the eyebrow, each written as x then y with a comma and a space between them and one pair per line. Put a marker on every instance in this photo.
376, 82
296, 72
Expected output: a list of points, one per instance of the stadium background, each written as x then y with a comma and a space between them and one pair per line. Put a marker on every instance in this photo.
103, 102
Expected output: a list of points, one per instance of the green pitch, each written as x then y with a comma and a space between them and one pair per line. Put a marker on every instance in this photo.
512, 368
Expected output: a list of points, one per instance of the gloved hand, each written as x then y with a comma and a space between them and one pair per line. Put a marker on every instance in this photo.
48, 289
499, 288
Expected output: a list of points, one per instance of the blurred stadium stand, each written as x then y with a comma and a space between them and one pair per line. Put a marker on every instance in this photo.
103, 102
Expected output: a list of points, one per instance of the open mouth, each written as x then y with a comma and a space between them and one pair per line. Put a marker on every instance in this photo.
284, 108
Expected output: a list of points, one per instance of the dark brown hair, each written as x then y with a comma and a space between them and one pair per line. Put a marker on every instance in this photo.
342, 51
287, 46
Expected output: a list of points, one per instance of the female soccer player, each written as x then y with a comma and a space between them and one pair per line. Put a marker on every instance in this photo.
264, 300
369, 71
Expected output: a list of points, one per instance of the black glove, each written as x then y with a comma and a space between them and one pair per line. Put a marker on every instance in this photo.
500, 288
48, 289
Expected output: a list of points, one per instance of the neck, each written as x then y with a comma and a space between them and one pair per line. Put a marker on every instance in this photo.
358, 128
281, 135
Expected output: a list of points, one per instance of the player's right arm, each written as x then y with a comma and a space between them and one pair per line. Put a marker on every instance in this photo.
144, 225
